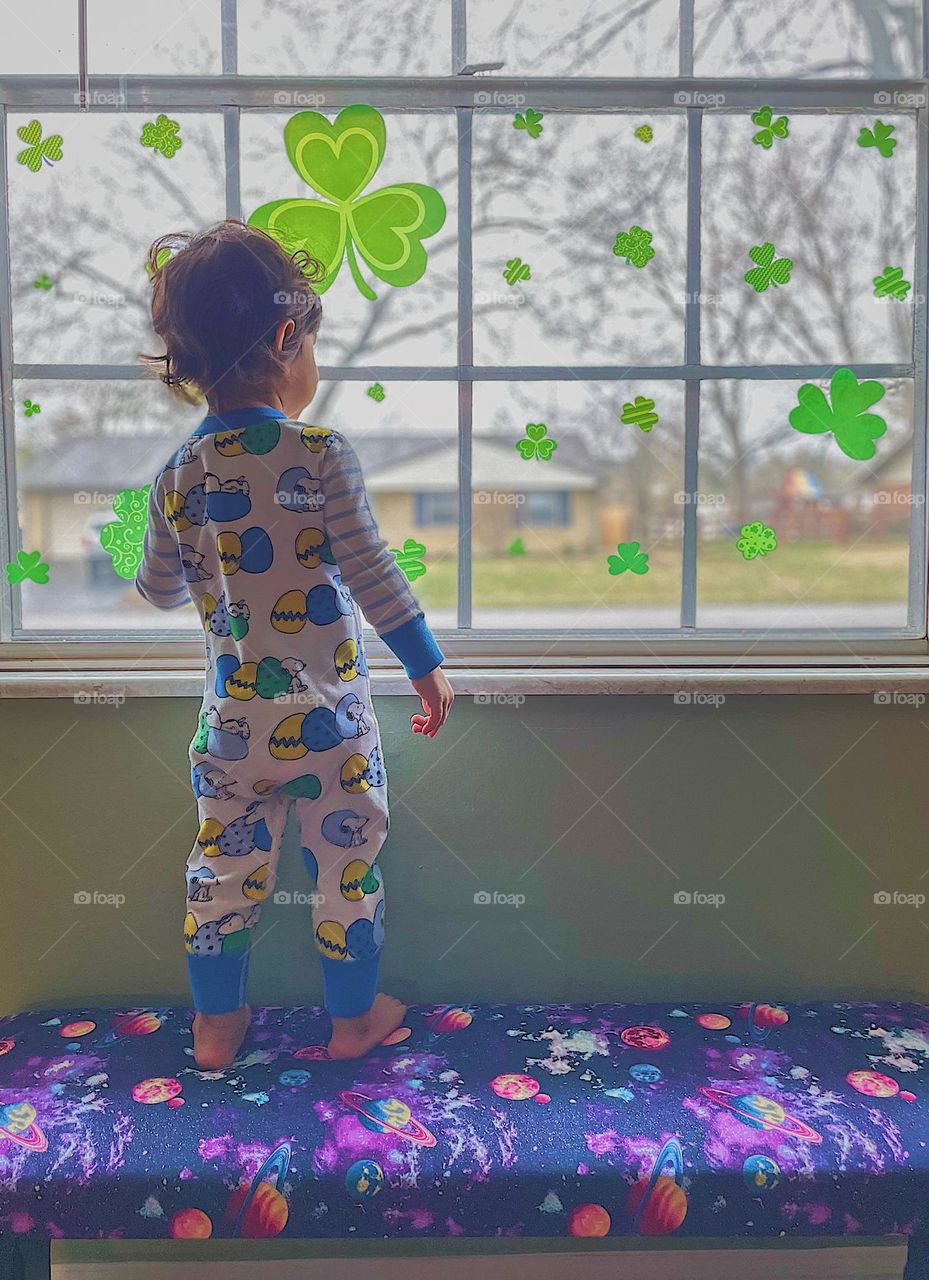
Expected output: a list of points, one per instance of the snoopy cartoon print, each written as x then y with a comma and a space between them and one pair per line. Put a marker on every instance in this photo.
226, 739
319, 730
229, 935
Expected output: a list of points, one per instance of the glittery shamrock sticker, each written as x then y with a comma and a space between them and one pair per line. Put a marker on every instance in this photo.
769, 269
535, 445
387, 227
38, 149
891, 284
756, 539
515, 271
409, 559
517, 547
42, 282
376, 392
880, 137
768, 127
30, 566
635, 245
122, 538
531, 122
645, 133
640, 413
162, 136
628, 556
32, 408
855, 430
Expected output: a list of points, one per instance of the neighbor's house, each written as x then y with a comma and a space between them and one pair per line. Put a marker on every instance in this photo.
66, 494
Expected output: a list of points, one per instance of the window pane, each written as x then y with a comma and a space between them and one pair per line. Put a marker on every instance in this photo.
290, 39
413, 324
39, 41
839, 212
180, 37
845, 38
81, 227
544, 527
841, 525
538, 201
575, 37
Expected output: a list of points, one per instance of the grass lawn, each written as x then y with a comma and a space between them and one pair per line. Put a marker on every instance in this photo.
823, 572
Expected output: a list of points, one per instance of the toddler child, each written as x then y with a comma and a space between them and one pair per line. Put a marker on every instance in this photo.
263, 522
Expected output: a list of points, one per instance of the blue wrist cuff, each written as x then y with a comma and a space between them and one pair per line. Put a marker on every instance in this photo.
415, 646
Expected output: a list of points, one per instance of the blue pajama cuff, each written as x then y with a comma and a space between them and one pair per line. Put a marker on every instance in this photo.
218, 983
414, 644
349, 986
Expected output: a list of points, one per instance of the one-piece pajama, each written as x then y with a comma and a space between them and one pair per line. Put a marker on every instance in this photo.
264, 523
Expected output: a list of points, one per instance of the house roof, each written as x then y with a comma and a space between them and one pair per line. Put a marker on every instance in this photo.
495, 464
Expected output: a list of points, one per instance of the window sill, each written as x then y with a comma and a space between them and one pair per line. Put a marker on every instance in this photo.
92, 686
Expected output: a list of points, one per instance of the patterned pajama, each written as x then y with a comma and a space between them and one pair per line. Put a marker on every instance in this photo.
264, 523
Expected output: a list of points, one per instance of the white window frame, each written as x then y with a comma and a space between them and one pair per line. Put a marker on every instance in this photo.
469, 648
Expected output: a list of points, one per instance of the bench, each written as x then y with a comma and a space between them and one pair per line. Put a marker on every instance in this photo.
758, 1120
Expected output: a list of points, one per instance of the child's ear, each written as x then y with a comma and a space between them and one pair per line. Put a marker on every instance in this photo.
283, 334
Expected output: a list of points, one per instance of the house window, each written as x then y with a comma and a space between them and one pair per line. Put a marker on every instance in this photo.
676, 309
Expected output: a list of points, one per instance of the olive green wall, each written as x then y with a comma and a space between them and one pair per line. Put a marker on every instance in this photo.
96, 798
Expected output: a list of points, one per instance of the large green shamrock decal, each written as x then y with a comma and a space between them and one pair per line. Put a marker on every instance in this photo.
880, 137
338, 161
769, 128
855, 429
409, 559
756, 539
769, 270
38, 149
628, 557
122, 538
535, 445
27, 565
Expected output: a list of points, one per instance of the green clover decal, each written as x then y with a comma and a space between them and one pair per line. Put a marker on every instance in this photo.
628, 557
408, 558
635, 245
162, 136
531, 122
338, 161
31, 407
42, 282
516, 270
640, 413
770, 269
880, 138
891, 284
122, 538
855, 429
38, 148
756, 539
29, 565
535, 445
645, 133
376, 392
769, 128
517, 547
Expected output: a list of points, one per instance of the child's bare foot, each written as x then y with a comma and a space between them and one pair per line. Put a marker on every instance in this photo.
353, 1037
218, 1037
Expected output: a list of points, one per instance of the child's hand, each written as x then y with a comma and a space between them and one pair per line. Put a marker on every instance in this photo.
437, 698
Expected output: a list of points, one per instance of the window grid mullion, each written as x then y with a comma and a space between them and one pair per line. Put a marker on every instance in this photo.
692, 358
465, 119
10, 614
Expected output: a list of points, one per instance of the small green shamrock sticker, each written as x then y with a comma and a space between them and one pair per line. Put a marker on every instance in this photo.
640, 413
635, 245
376, 392
32, 408
769, 128
517, 547
535, 445
122, 538
42, 282
855, 429
409, 559
645, 133
756, 539
38, 149
387, 226
515, 271
29, 565
531, 122
162, 136
769, 270
879, 138
628, 556
891, 284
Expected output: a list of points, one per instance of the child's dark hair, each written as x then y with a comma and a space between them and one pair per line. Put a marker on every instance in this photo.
217, 298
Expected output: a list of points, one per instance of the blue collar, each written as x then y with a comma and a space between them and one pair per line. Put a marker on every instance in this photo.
234, 418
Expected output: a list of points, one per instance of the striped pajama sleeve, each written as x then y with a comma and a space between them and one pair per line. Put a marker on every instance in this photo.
160, 576
368, 567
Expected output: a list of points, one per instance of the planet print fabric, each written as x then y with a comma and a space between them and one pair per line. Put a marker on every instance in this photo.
713, 1120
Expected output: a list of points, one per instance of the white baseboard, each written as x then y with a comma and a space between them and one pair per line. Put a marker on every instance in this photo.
850, 1263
